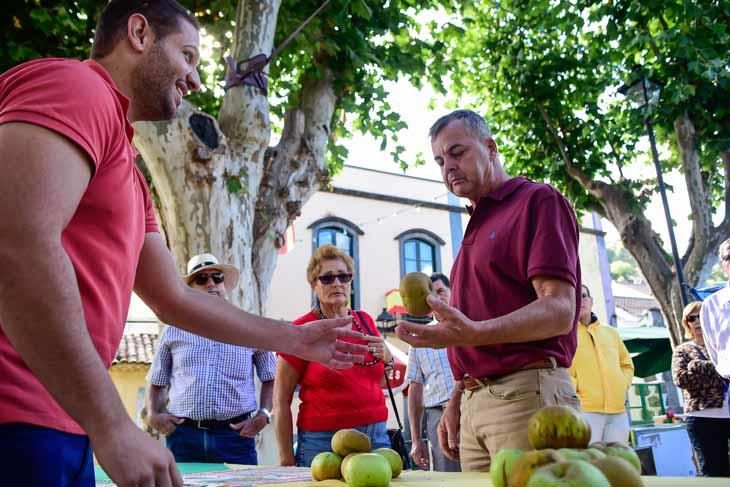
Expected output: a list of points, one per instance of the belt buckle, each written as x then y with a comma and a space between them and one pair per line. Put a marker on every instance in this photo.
199, 425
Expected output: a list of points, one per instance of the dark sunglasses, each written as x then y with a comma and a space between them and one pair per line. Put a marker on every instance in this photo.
692, 318
330, 278
202, 279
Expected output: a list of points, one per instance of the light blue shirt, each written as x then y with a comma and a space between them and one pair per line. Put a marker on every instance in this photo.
208, 379
715, 321
431, 368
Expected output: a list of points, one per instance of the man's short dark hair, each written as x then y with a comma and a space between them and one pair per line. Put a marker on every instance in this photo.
437, 276
163, 15
473, 121
588, 291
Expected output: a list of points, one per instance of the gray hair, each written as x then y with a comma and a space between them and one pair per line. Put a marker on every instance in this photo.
724, 249
473, 121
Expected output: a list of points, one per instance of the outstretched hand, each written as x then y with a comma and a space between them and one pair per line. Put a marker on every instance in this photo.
452, 329
321, 341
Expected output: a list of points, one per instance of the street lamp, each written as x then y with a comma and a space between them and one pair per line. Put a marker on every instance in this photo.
385, 321
645, 95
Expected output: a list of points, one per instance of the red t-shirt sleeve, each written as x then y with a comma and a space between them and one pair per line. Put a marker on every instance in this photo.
39, 93
553, 249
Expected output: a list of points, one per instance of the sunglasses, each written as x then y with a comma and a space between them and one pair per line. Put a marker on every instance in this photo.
692, 318
202, 279
330, 278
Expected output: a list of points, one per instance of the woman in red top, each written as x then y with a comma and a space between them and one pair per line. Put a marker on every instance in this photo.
331, 399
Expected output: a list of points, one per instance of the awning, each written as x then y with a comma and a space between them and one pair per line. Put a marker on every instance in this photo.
650, 347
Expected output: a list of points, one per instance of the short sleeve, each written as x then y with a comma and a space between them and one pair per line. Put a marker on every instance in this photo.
265, 363
161, 369
67, 97
553, 249
150, 219
415, 374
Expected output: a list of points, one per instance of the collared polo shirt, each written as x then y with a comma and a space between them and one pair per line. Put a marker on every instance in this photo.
104, 238
520, 231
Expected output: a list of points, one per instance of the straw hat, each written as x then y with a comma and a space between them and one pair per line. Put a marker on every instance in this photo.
201, 262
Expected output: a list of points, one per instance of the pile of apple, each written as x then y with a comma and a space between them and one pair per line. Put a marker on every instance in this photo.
563, 458
352, 460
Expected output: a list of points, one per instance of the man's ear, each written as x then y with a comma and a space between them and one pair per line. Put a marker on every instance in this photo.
139, 33
491, 145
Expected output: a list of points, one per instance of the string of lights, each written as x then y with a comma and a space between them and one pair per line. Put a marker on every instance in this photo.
414, 207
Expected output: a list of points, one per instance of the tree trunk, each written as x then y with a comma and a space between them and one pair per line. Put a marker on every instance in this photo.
220, 187
618, 206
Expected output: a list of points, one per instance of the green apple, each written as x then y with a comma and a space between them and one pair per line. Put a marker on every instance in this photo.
558, 427
368, 470
345, 462
622, 450
619, 472
575, 473
326, 465
394, 459
502, 464
528, 462
594, 453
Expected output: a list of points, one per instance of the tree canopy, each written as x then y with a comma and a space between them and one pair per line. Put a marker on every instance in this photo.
546, 73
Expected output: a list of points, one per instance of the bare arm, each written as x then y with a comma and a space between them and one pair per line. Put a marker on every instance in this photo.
415, 409
159, 418
286, 381
160, 287
266, 398
44, 177
551, 314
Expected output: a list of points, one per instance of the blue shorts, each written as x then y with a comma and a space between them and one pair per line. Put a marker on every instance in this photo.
309, 443
42, 457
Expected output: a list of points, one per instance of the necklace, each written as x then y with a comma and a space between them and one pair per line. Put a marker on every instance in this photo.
360, 328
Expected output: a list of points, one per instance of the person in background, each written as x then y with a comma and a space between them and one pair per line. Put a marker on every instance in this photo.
211, 415
716, 319
705, 397
331, 399
602, 372
510, 328
430, 386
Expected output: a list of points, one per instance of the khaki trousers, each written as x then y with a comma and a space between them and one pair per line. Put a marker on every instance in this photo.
495, 416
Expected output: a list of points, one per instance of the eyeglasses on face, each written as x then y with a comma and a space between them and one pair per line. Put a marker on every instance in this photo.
202, 278
344, 278
692, 318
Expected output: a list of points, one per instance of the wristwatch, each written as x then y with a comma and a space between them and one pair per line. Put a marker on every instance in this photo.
267, 413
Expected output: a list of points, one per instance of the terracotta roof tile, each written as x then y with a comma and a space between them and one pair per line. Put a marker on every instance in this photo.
136, 348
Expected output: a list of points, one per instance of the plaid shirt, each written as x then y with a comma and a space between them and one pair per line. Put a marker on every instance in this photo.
208, 379
431, 368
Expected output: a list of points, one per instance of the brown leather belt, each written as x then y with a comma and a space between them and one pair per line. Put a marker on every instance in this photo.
471, 383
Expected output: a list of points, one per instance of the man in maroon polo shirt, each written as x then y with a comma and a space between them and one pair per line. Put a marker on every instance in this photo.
511, 326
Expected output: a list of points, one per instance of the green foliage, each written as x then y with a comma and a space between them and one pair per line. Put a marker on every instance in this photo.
623, 266
543, 70
362, 43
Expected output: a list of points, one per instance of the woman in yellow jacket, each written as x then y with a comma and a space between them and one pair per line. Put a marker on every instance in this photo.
602, 372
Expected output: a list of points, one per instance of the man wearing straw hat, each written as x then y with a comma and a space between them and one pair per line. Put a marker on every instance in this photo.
212, 415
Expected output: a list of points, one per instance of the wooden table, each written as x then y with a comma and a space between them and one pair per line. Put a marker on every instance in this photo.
439, 479
265, 477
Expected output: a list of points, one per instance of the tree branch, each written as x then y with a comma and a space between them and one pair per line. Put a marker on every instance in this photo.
293, 171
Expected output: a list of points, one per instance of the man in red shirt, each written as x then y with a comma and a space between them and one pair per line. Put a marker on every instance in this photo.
78, 234
511, 326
